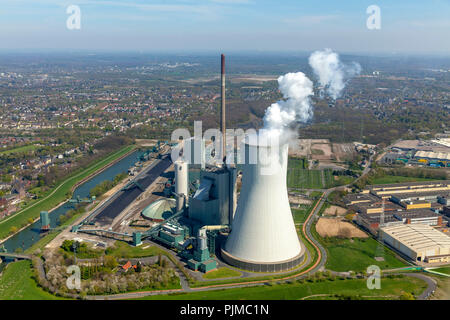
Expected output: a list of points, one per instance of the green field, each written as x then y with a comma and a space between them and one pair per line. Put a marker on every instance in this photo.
356, 254
16, 283
390, 289
300, 214
304, 178
299, 176
57, 195
222, 273
396, 179
30, 147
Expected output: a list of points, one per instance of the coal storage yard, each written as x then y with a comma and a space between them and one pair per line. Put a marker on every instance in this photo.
113, 209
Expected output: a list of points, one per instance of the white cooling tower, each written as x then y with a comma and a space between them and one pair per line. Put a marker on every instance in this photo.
263, 236
181, 183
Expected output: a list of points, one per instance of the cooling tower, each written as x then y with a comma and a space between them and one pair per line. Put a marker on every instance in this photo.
263, 236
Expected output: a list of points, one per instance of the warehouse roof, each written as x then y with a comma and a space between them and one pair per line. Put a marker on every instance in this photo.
418, 237
433, 155
417, 214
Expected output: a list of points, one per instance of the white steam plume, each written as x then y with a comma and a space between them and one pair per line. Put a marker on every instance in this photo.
331, 72
295, 106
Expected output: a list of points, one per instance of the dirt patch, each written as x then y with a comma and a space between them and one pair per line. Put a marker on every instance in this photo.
321, 151
328, 227
335, 211
299, 200
146, 142
343, 151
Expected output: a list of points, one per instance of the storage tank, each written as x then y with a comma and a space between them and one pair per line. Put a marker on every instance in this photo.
181, 183
263, 236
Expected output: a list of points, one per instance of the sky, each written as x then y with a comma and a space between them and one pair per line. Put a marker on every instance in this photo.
407, 26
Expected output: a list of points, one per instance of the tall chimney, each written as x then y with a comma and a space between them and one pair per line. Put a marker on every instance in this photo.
223, 107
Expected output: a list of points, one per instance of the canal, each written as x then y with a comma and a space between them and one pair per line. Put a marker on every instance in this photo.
30, 235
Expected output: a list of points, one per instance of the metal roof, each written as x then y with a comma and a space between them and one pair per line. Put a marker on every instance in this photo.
418, 237
433, 155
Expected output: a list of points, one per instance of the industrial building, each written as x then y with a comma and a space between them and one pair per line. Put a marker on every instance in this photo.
408, 203
371, 222
432, 153
434, 159
446, 212
160, 210
204, 222
419, 242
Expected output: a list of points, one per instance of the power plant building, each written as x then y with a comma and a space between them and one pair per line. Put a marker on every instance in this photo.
159, 210
213, 202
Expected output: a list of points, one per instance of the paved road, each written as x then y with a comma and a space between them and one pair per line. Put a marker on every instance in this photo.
310, 221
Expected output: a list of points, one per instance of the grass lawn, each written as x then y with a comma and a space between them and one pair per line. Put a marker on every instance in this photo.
222, 273
55, 196
16, 284
121, 250
300, 214
26, 148
356, 254
396, 179
390, 289
304, 178
124, 250
299, 176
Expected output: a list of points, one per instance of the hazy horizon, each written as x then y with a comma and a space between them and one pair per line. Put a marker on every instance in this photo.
407, 27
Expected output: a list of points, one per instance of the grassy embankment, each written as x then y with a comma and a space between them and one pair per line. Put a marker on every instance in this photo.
223, 272
17, 283
56, 195
391, 288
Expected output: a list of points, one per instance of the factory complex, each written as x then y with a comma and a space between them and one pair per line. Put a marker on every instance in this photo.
410, 217
432, 153
192, 207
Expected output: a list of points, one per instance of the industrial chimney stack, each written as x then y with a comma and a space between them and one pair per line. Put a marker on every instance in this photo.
223, 107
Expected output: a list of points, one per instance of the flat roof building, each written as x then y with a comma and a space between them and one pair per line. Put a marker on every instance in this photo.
446, 211
419, 242
423, 216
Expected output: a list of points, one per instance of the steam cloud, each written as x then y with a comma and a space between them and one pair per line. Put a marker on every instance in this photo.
297, 89
331, 72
